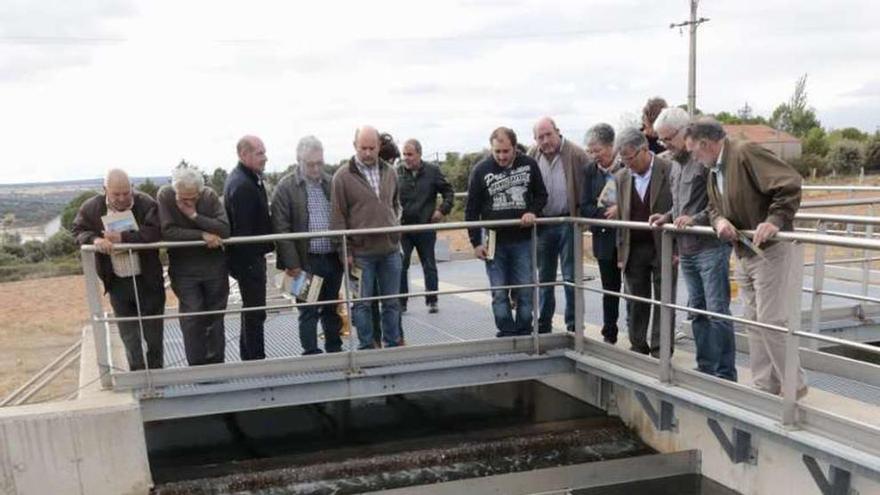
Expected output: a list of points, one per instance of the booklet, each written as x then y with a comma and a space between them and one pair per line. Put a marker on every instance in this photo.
745, 241
306, 287
491, 241
354, 281
119, 221
608, 196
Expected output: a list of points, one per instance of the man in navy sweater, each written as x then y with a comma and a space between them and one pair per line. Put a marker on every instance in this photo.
505, 186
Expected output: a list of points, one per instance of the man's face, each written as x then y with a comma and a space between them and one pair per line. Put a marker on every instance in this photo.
411, 157
313, 163
366, 147
636, 159
503, 151
603, 154
187, 196
703, 151
119, 195
255, 158
548, 138
673, 140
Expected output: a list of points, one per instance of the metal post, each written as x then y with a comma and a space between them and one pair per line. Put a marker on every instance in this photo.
667, 297
536, 310
352, 364
578, 239
792, 357
818, 284
866, 265
692, 61
137, 303
95, 310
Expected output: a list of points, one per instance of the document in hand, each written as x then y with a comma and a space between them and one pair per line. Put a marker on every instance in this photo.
745, 241
354, 281
305, 287
491, 241
119, 221
608, 196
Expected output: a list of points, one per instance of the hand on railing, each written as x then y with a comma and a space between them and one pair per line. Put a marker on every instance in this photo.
763, 232
103, 246
725, 230
212, 241
527, 220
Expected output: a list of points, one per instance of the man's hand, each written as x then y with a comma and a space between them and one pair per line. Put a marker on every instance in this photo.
103, 245
293, 272
657, 219
527, 220
620, 265
213, 241
611, 212
113, 237
349, 260
436, 216
764, 232
187, 210
725, 230
683, 221
480, 252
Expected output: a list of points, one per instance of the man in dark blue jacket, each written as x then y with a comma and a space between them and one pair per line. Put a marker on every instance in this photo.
248, 210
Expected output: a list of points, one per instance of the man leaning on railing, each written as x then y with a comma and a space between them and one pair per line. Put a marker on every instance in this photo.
750, 188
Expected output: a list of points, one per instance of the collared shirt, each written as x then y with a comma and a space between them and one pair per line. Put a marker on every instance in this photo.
553, 173
319, 216
124, 264
718, 169
644, 180
371, 173
689, 198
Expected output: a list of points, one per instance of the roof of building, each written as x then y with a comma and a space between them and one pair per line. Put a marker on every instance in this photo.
759, 133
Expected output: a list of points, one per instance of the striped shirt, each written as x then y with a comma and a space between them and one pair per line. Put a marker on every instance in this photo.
319, 217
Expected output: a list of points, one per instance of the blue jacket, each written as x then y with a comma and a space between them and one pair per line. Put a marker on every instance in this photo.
248, 210
604, 238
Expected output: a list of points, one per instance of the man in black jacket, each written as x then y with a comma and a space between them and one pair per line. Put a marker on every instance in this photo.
121, 272
419, 184
248, 211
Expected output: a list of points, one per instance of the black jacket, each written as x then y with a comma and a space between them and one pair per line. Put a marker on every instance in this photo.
418, 193
248, 210
604, 238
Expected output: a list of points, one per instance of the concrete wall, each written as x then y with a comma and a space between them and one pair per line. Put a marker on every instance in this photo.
779, 470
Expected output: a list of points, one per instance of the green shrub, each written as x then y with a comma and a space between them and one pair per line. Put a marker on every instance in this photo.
846, 157
60, 244
807, 162
34, 251
872, 155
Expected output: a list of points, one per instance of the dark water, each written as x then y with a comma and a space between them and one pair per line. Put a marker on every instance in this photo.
685, 484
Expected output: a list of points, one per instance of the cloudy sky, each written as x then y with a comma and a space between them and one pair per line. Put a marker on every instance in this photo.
140, 84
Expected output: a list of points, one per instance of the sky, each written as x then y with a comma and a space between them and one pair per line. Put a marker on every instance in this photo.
141, 84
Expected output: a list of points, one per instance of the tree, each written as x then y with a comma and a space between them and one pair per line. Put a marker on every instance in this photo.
846, 157
60, 244
149, 187
34, 251
794, 116
872, 154
7, 222
816, 142
69, 212
218, 180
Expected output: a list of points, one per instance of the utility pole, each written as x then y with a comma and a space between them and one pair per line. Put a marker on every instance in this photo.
692, 62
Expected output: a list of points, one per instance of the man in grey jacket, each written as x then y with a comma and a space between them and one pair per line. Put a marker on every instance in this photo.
301, 203
189, 211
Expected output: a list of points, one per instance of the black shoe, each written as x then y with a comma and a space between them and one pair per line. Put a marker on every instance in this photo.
609, 334
403, 308
312, 352
432, 307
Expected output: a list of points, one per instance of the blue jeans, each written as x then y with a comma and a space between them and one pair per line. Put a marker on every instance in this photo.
706, 276
329, 268
555, 245
384, 269
423, 242
512, 265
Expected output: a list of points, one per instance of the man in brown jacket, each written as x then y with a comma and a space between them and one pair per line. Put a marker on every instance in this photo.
562, 167
643, 188
364, 195
751, 189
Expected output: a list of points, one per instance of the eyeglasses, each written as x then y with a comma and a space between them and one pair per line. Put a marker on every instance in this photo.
665, 140
631, 157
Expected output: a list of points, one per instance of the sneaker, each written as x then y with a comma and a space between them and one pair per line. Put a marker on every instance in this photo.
432, 307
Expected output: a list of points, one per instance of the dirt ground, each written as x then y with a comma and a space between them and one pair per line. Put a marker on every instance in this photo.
41, 318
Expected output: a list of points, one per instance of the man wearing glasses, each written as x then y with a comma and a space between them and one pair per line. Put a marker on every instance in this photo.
643, 189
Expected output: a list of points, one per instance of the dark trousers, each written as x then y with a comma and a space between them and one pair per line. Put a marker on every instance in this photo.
642, 275
328, 267
610, 275
152, 302
204, 337
251, 279
555, 248
423, 242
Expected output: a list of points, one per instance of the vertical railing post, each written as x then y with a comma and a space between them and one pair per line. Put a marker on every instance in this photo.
536, 310
99, 334
866, 254
667, 284
792, 341
818, 284
352, 363
578, 240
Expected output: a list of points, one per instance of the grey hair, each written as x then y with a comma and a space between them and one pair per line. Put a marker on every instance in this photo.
415, 144
705, 128
188, 177
600, 134
630, 137
307, 145
673, 118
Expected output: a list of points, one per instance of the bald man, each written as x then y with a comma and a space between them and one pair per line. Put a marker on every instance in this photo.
120, 272
364, 195
562, 168
247, 209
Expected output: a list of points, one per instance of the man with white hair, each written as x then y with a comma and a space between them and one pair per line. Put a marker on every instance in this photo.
704, 260
643, 188
189, 211
133, 280
301, 203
